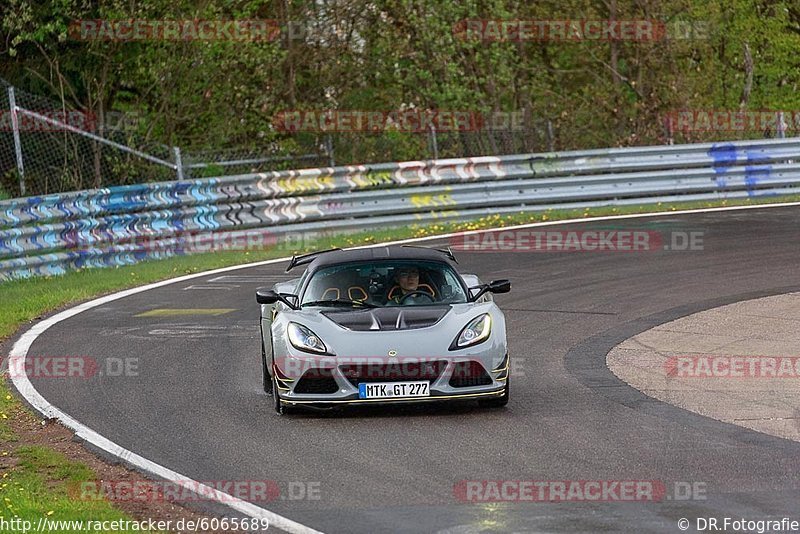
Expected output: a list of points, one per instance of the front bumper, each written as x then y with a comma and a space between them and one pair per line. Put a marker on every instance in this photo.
451, 379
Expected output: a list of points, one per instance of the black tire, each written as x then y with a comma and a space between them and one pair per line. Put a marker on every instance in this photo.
276, 401
497, 402
266, 381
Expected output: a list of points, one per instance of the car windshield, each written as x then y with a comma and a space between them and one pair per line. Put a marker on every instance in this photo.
383, 284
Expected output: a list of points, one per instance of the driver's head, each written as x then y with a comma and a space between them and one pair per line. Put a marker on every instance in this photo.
408, 278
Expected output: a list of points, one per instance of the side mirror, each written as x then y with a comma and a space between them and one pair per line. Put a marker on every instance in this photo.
500, 286
268, 296
496, 286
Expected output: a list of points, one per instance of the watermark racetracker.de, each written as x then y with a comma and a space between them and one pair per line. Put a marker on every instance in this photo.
236, 30
540, 491
594, 240
401, 120
741, 367
310, 366
40, 366
589, 30
716, 120
142, 490
192, 242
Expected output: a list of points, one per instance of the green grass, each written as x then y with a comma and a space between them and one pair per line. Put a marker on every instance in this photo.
36, 481
8, 405
44, 483
39, 482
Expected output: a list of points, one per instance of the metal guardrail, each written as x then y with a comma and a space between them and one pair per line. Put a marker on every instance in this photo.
123, 225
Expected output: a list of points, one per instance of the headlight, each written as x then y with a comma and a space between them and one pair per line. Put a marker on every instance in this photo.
476, 331
304, 339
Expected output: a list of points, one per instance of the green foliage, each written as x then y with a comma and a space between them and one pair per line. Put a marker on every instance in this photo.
399, 54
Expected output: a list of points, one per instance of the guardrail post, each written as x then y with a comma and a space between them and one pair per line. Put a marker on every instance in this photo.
12, 103
668, 131
329, 150
178, 162
434, 144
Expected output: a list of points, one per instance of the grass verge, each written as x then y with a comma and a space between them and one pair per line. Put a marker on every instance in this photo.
35, 477
41, 483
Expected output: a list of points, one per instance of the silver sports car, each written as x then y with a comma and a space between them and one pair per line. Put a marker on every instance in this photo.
394, 324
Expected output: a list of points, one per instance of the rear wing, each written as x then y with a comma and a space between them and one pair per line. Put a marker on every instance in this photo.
447, 252
304, 259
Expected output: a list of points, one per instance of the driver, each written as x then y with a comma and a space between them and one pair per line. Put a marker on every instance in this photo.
408, 281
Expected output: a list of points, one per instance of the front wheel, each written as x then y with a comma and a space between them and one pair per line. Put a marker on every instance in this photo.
497, 402
266, 380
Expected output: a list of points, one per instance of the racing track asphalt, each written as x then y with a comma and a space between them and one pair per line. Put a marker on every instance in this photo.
196, 405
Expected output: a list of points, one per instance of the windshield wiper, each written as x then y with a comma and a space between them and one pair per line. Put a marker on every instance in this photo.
336, 302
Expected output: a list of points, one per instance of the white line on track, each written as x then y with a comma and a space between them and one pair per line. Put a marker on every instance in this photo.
20, 350
209, 288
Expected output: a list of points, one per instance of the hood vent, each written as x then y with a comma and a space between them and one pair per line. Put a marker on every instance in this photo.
388, 319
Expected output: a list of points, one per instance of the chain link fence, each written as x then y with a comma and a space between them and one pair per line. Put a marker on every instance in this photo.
9, 179
46, 148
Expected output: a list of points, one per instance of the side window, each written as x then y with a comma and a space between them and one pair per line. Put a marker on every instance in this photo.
451, 289
323, 286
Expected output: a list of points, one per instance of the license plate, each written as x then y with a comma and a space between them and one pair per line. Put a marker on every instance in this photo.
388, 390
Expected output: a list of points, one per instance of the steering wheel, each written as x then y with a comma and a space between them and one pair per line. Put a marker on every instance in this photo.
417, 292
